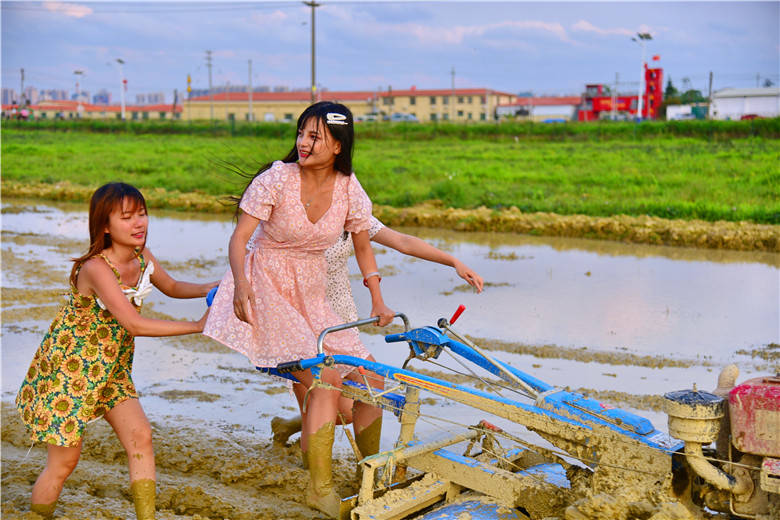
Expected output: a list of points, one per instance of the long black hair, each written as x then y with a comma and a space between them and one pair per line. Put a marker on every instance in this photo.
338, 119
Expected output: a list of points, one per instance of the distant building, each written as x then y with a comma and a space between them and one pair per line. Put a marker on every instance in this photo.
9, 96
153, 98
31, 95
82, 96
689, 111
541, 108
736, 103
462, 105
53, 95
69, 109
102, 98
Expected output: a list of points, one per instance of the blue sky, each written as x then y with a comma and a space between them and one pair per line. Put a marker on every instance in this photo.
543, 47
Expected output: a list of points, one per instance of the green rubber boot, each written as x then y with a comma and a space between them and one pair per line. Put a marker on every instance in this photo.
45, 511
368, 438
320, 493
367, 441
143, 492
283, 429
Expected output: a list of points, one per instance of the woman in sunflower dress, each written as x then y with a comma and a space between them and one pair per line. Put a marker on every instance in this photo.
82, 370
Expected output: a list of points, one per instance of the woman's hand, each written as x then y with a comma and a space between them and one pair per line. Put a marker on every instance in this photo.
469, 275
209, 286
384, 312
201, 323
243, 296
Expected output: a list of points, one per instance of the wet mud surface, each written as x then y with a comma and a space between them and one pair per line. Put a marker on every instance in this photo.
211, 411
742, 236
200, 474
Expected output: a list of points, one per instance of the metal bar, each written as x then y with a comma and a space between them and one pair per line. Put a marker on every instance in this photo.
407, 452
512, 377
358, 323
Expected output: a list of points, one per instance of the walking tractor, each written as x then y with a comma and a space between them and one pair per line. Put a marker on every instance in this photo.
587, 460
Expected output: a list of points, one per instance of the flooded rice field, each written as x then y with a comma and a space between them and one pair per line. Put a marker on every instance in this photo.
622, 323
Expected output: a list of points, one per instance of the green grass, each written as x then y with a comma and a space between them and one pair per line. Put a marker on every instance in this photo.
671, 177
596, 130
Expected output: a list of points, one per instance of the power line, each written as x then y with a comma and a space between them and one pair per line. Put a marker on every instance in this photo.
143, 8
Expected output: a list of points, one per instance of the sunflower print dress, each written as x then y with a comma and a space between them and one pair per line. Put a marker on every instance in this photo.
81, 370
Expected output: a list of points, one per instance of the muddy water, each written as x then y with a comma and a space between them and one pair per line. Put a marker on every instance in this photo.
622, 323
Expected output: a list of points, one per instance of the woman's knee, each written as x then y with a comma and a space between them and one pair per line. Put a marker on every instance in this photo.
140, 440
61, 463
143, 438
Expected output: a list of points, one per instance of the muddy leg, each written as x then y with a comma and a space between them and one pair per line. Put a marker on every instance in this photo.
60, 463
367, 419
283, 429
135, 433
318, 431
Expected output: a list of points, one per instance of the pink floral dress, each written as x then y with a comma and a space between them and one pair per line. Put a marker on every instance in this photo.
288, 272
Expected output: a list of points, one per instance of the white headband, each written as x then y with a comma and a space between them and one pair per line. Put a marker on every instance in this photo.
334, 118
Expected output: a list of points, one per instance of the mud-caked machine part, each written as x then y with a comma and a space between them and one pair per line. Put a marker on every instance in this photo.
746, 482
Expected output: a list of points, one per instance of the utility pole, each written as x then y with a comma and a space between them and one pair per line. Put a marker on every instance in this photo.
21, 92
452, 103
211, 93
189, 98
251, 114
614, 97
79, 108
758, 78
123, 84
709, 97
313, 6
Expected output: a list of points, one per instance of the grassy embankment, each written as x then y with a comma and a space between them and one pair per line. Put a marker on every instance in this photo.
716, 187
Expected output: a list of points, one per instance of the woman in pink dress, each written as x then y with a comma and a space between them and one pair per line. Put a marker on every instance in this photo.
272, 303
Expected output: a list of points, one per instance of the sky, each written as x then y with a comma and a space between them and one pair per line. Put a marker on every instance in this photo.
547, 48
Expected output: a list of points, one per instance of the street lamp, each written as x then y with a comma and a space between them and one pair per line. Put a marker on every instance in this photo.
79, 108
640, 39
123, 85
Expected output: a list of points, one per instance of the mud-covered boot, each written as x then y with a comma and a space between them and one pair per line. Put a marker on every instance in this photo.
367, 441
45, 511
143, 492
283, 429
320, 493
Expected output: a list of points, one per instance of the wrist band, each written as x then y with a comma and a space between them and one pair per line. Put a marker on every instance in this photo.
369, 275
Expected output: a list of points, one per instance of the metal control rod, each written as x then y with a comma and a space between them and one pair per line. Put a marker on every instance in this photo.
444, 324
358, 323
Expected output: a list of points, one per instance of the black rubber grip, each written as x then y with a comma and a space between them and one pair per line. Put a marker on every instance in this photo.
289, 366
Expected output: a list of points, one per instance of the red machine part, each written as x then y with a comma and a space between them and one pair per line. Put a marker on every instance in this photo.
754, 407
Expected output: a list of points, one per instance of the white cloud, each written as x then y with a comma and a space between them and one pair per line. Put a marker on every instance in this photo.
586, 26
72, 10
457, 34
274, 19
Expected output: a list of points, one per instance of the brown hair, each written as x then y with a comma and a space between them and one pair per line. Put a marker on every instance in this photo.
105, 199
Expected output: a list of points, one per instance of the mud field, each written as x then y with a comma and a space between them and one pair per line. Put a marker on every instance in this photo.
626, 344
741, 236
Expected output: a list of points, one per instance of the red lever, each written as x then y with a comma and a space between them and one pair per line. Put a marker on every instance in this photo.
457, 314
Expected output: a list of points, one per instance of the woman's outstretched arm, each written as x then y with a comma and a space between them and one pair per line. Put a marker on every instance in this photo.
367, 263
413, 246
169, 286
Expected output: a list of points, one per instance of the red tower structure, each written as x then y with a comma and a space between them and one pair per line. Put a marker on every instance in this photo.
597, 102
